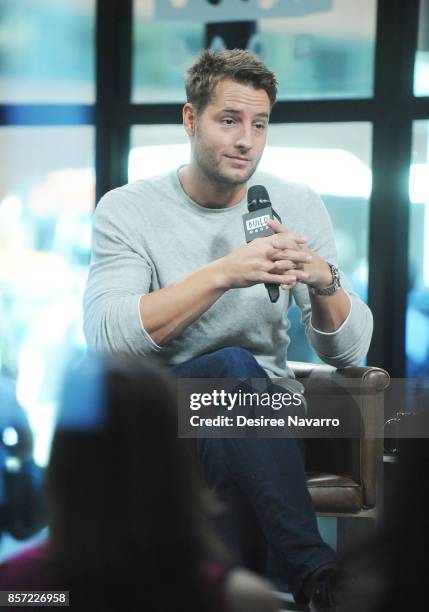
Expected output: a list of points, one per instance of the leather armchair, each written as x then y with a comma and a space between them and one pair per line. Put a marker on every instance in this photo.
345, 475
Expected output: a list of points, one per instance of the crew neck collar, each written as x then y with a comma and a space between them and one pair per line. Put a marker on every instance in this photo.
204, 209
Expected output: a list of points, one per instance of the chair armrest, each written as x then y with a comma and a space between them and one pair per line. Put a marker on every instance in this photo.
356, 393
375, 379
370, 377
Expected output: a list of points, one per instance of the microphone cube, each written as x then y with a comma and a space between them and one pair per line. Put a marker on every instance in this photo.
255, 223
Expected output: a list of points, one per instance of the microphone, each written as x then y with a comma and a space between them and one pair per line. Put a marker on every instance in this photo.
255, 224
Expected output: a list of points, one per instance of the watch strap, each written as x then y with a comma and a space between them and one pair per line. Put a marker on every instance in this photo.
331, 289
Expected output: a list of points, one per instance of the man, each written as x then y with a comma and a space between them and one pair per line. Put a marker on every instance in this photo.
171, 276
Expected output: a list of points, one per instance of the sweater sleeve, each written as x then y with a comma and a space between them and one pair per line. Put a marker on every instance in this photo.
120, 273
348, 344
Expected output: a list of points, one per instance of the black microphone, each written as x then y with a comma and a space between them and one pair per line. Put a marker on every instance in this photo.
255, 224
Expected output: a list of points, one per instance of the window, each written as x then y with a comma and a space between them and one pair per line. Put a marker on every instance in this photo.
45, 230
421, 67
324, 54
47, 51
417, 322
156, 149
335, 160
162, 53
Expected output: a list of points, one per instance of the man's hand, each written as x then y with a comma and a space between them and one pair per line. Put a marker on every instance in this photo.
316, 271
328, 313
264, 261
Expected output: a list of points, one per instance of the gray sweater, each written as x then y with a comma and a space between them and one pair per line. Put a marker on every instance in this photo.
149, 234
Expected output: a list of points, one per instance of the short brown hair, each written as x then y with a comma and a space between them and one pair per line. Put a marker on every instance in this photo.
238, 65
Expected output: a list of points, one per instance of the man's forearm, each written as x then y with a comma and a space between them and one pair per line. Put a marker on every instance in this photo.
328, 312
167, 312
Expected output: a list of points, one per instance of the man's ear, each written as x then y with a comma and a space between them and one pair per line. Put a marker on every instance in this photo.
189, 119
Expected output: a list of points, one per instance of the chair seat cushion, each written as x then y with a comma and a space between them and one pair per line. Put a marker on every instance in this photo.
334, 493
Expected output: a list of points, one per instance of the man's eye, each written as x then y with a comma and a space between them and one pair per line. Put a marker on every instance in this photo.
228, 121
260, 126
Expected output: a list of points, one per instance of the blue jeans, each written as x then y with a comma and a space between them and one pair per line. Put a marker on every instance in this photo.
262, 482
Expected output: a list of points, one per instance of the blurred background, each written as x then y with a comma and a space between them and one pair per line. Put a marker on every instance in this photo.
90, 98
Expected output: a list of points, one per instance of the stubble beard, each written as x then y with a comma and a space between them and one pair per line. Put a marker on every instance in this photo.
210, 168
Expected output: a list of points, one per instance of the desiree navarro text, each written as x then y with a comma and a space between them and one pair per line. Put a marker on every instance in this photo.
243, 421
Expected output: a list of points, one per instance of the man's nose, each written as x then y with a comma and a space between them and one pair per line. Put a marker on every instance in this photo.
245, 138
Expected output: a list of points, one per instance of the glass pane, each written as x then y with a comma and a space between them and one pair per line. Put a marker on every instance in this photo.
417, 328
322, 52
162, 53
47, 51
47, 193
334, 159
322, 55
156, 149
421, 68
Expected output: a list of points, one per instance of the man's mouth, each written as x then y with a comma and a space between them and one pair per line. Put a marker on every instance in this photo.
238, 159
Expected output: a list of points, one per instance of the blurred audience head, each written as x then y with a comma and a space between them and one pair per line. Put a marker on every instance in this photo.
123, 493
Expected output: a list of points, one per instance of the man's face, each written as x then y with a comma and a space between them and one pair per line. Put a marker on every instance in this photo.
230, 133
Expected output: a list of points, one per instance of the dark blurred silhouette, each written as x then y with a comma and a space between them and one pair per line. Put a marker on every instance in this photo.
388, 573
129, 526
22, 506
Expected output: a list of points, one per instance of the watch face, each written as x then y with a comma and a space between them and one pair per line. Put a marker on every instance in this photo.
335, 275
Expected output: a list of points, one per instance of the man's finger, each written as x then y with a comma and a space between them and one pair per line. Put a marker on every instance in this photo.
288, 286
292, 255
279, 228
276, 226
300, 275
280, 279
287, 241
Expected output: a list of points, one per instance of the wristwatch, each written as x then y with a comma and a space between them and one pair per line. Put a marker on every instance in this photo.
331, 289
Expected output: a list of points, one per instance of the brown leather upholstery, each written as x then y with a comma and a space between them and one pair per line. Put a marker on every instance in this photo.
344, 473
